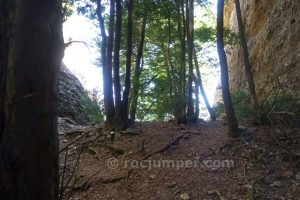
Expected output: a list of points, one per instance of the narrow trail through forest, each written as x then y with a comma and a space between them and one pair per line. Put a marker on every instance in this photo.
164, 160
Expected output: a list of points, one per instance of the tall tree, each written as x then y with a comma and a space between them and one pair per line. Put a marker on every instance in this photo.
31, 51
137, 71
197, 102
103, 55
233, 129
200, 84
119, 119
170, 67
128, 61
180, 112
110, 109
190, 41
247, 64
106, 60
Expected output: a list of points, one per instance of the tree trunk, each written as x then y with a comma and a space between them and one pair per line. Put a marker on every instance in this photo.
169, 77
247, 64
190, 27
199, 79
169, 59
110, 108
31, 52
103, 57
128, 61
137, 71
119, 120
180, 112
197, 109
233, 129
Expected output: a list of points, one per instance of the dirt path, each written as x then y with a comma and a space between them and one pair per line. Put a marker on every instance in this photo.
167, 161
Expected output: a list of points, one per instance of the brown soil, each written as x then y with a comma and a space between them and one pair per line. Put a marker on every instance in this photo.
164, 160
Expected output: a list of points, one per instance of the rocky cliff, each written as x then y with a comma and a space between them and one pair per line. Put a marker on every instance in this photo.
273, 32
70, 93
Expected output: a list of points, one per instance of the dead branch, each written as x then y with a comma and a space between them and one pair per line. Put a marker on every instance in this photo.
75, 140
149, 81
61, 190
65, 186
113, 149
111, 180
75, 41
166, 147
86, 184
94, 150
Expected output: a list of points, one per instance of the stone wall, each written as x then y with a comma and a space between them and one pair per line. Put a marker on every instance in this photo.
273, 32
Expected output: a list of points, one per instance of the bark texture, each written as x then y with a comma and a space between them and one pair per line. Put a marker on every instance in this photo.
233, 130
110, 107
126, 91
137, 71
117, 86
180, 112
31, 52
190, 43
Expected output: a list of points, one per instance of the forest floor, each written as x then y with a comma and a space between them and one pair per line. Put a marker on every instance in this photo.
167, 161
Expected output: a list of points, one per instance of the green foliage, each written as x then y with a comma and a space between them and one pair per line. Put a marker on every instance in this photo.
203, 2
219, 110
67, 8
277, 103
92, 107
162, 50
242, 106
230, 37
286, 103
205, 34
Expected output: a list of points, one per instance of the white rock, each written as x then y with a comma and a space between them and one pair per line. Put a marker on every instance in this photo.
185, 196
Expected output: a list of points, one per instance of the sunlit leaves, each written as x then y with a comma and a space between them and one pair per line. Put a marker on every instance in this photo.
162, 50
230, 37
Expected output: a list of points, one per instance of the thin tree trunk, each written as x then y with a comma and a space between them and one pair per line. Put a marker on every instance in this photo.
31, 52
169, 74
233, 129
183, 54
247, 64
180, 112
199, 79
110, 109
6, 31
104, 59
117, 86
197, 109
170, 64
137, 71
167, 66
190, 27
128, 61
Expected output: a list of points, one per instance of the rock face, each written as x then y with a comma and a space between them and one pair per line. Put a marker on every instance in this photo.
273, 31
70, 93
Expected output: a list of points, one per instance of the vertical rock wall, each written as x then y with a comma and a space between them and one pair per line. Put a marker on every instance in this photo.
70, 92
273, 32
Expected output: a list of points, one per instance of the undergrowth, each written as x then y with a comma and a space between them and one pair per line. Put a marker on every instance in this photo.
92, 107
242, 104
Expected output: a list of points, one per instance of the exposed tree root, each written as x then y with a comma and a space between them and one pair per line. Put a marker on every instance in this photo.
88, 183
